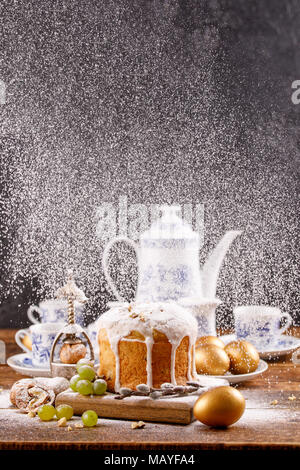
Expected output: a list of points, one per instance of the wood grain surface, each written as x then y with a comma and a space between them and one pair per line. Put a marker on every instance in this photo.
167, 410
263, 425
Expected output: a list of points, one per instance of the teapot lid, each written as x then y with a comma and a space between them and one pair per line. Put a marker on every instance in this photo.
170, 226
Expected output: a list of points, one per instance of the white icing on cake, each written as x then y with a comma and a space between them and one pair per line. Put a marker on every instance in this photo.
167, 318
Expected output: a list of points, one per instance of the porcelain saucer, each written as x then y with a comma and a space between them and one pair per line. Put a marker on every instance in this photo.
22, 364
235, 379
284, 345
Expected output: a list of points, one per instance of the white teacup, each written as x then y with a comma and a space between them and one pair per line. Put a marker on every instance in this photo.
54, 310
205, 312
260, 324
42, 337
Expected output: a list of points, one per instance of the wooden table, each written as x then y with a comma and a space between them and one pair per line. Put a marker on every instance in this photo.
263, 425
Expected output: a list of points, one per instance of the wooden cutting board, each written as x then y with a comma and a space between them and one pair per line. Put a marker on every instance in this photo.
165, 410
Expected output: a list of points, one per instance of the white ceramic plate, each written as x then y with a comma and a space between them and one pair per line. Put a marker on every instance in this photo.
284, 345
235, 379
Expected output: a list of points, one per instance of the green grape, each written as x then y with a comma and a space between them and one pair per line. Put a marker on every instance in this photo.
84, 362
73, 382
84, 387
46, 412
64, 411
86, 373
99, 387
89, 418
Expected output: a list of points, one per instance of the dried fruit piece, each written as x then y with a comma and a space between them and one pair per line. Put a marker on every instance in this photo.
274, 402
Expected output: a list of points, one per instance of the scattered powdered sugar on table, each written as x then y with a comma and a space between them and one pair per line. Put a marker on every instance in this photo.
4, 399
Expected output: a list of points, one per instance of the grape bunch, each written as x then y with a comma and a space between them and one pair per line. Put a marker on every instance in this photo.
85, 381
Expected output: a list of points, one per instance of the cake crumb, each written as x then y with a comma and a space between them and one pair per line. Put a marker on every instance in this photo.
137, 424
70, 428
62, 422
141, 317
31, 414
292, 398
274, 402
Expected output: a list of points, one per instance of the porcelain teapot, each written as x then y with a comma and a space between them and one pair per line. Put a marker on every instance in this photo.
168, 261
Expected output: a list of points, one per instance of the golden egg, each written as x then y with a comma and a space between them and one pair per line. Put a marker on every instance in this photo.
203, 340
220, 407
243, 356
211, 360
27, 342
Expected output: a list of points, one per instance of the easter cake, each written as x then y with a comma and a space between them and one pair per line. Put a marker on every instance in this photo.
146, 343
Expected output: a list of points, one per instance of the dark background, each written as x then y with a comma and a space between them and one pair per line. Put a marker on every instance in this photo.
161, 101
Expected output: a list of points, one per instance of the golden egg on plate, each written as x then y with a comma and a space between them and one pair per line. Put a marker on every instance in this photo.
211, 360
243, 356
203, 340
220, 407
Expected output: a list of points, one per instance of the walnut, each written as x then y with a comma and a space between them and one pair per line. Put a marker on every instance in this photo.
79, 425
137, 425
71, 353
62, 422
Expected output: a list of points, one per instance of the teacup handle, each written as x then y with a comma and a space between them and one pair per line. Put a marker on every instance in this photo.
30, 313
288, 319
105, 263
18, 337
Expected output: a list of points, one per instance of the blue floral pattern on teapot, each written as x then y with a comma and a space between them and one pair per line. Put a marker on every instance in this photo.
164, 282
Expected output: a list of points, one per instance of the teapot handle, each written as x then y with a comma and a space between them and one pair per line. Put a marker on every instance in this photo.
105, 263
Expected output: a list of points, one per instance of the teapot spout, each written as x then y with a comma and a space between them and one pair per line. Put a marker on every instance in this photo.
212, 266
